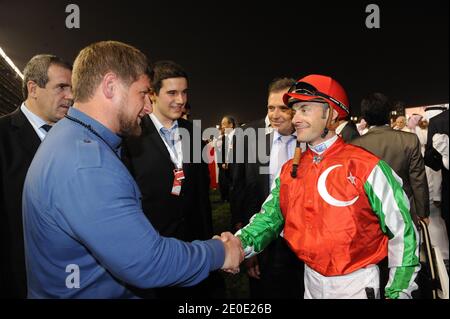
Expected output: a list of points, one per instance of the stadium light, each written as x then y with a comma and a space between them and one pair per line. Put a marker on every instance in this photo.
11, 63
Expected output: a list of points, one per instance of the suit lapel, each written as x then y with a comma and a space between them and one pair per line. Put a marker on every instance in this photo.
24, 132
344, 131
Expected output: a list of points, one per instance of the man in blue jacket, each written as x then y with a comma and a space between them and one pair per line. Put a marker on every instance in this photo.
85, 233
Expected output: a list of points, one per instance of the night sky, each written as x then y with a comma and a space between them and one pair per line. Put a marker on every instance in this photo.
232, 50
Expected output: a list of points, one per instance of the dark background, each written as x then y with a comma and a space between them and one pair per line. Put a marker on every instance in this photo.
232, 50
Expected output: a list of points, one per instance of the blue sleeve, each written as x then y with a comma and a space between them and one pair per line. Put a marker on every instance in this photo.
109, 221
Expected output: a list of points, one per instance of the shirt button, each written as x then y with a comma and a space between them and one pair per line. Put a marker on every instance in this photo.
87, 141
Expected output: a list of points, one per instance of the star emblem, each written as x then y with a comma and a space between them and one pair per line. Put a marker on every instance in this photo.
317, 159
326, 196
352, 179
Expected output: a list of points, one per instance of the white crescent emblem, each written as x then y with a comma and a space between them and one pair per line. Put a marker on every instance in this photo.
323, 192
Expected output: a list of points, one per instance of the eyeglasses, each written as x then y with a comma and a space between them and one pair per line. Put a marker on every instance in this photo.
307, 89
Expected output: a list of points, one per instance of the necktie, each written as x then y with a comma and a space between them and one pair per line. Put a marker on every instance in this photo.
168, 137
283, 151
46, 127
279, 156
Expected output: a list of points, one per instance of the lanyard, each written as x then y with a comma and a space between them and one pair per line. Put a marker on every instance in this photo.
177, 159
89, 127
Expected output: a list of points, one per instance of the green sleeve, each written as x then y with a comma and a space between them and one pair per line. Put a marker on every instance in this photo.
390, 203
264, 226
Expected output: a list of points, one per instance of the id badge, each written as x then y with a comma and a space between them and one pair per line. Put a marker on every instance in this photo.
178, 176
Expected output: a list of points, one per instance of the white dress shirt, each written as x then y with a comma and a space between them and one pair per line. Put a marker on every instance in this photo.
283, 149
35, 121
176, 153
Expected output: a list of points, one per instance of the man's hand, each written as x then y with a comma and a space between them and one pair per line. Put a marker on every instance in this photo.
252, 267
234, 254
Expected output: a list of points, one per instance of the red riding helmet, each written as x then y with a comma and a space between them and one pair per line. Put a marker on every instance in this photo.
319, 86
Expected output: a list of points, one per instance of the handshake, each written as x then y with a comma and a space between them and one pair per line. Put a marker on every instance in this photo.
234, 254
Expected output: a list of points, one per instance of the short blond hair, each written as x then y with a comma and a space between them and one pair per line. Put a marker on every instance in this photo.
97, 59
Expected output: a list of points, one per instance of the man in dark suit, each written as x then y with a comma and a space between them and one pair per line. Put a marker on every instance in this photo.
401, 150
276, 272
47, 96
224, 151
175, 188
439, 125
347, 130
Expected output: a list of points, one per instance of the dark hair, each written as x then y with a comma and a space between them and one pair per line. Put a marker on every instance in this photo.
97, 59
165, 70
280, 84
36, 70
231, 120
375, 109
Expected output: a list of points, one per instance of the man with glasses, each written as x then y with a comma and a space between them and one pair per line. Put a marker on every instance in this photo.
340, 208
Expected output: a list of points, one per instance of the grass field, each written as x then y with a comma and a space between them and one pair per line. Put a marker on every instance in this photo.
236, 285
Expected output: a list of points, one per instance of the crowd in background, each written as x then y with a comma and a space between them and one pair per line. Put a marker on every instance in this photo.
171, 196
